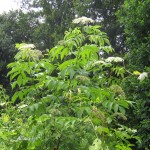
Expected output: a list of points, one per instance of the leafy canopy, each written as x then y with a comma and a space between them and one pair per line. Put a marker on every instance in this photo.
70, 98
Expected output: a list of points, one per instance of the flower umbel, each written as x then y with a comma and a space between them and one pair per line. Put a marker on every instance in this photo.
25, 46
99, 62
28, 52
102, 63
142, 76
114, 59
83, 20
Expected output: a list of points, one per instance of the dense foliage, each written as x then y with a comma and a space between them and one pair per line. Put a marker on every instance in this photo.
15, 27
43, 23
134, 16
71, 94
70, 98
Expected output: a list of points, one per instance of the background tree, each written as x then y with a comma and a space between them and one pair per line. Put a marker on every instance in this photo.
70, 99
104, 11
8, 27
15, 27
40, 19
134, 16
59, 14
44, 24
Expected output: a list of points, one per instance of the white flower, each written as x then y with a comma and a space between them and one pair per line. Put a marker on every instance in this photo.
102, 63
142, 76
22, 106
100, 77
99, 62
114, 59
83, 20
26, 46
2, 104
134, 130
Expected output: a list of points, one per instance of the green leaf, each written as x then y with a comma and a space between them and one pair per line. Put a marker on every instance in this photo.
47, 66
122, 110
19, 80
64, 53
97, 145
56, 51
109, 105
105, 103
123, 103
71, 72
14, 70
107, 41
107, 49
15, 96
12, 76
89, 52
67, 63
116, 107
13, 85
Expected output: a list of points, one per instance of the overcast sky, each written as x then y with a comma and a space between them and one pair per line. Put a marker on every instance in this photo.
6, 5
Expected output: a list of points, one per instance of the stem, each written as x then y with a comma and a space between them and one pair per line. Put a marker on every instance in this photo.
126, 69
57, 145
93, 127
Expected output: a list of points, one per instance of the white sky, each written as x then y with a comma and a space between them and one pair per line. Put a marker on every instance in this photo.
6, 5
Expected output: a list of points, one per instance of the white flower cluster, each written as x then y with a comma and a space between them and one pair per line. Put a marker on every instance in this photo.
142, 76
132, 130
22, 106
83, 20
114, 59
26, 46
99, 62
28, 51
